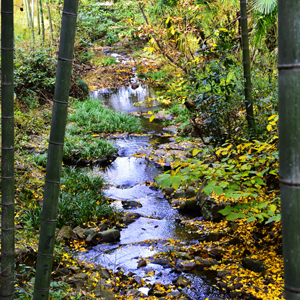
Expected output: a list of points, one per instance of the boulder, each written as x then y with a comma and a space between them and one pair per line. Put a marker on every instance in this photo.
65, 233
190, 192
131, 217
101, 292
141, 264
91, 235
179, 194
109, 236
131, 204
191, 205
182, 281
169, 190
205, 262
210, 209
79, 232
253, 264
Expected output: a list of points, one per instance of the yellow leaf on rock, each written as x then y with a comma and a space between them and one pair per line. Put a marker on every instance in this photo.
151, 118
150, 112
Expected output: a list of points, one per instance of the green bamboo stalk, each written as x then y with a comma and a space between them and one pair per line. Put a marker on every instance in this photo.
42, 20
27, 16
7, 148
38, 17
247, 66
32, 12
50, 19
55, 151
30, 20
289, 140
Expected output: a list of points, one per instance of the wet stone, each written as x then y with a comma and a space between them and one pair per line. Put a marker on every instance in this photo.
189, 267
183, 281
131, 217
223, 274
161, 261
179, 194
79, 232
65, 232
190, 192
131, 204
253, 264
133, 293
111, 235
141, 264
169, 190
205, 262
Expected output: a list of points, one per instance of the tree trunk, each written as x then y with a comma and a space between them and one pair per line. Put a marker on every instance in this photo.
55, 151
42, 20
50, 20
38, 17
289, 140
246, 64
30, 20
27, 12
7, 160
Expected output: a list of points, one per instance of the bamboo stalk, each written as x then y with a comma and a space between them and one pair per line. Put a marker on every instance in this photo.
50, 20
42, 20
289, 141
55, 151
247, 67
30, 20
7, 148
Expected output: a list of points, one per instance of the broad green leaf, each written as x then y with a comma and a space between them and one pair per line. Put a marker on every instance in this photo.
165, 183
259, 181
218, 190
226, 211
175, 181
208, 189
229, 193
251, 219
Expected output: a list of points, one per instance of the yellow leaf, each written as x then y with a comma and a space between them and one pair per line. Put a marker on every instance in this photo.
151, 118
95, 135
273, 207
272, 117
168, 20
195, 152
150, 112
269, 127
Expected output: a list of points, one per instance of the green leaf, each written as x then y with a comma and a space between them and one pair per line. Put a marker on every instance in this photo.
251, 219
166, 183
259, 181
235, 216
218, 190
175, 181
208, 189
229, 193
226, 211
270, 220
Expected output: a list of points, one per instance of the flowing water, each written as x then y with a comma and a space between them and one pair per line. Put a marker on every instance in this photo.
127, 176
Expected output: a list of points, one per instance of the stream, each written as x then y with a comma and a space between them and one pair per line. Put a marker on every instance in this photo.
127, 177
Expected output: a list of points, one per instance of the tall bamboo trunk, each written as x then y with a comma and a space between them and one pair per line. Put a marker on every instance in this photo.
7, 159
289, 140
30, 20
32, 12
55, 151
38, 17
50, 19
246, 65
27, 13
42, 20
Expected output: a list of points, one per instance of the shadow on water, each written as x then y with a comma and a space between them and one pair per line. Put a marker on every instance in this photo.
127, 176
